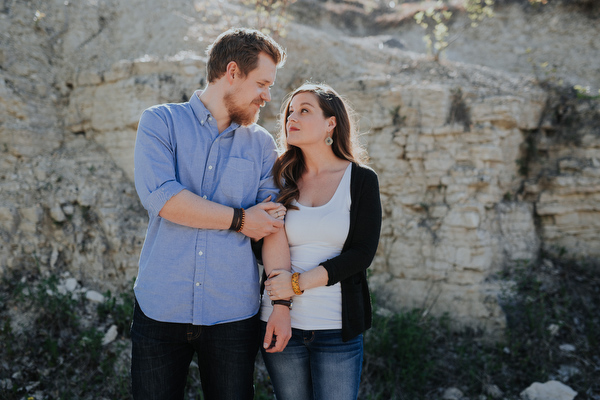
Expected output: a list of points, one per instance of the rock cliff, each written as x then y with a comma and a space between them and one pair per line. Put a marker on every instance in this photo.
480, 168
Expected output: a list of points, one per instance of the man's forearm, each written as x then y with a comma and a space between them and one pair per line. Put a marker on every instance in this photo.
189, 209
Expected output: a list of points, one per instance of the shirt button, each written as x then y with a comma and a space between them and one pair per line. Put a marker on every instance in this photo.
197, 283
210, 167
200, 253
202, 122
204, 197
209, 118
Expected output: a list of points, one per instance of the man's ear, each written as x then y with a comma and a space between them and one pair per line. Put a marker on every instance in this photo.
231, 71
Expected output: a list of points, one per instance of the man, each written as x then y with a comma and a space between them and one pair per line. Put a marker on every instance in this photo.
203, 172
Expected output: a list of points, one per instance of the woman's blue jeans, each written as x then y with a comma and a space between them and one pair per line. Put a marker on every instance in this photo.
316, 365
162, 353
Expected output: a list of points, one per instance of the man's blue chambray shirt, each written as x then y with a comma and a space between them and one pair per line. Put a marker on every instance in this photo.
188, 275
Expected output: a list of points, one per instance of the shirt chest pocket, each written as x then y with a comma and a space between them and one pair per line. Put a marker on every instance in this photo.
238, 178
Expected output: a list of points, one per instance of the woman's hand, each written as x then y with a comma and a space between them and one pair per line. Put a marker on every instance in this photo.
278, 212
279, 285
279, 329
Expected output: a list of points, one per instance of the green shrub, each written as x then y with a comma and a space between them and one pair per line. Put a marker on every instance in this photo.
397, 355
55, 345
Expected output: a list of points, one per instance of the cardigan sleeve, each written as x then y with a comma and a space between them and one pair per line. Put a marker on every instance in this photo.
365, 226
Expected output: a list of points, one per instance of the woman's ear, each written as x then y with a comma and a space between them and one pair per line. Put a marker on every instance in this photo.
331, 124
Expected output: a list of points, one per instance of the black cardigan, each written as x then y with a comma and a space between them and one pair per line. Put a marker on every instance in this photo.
358, 252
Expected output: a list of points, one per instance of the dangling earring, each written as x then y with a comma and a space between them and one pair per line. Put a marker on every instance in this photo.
328, 141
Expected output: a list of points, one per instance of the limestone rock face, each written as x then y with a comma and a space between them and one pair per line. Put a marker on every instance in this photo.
449, 142
568, 198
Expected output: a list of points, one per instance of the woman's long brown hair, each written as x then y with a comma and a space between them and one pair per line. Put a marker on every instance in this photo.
290, 166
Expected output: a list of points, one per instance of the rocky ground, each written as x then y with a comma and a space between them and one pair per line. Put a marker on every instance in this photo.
62, 340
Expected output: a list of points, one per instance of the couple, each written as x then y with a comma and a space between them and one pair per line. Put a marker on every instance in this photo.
209, 176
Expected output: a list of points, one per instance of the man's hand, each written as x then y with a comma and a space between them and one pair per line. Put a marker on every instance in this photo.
279, 329
258, 223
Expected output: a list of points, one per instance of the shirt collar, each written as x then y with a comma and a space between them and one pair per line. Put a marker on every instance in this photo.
202, 113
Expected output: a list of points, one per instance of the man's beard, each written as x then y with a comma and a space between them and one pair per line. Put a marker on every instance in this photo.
241, 115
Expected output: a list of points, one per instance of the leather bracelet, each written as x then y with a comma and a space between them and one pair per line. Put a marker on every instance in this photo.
243, 220
296, 283
237, 222
287, 303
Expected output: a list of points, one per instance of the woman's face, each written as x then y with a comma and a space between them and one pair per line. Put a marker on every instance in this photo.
306, 125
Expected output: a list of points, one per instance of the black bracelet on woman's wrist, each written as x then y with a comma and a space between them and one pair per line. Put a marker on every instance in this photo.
287, 303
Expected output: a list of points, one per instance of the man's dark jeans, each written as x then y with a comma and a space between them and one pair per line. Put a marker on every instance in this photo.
162, 353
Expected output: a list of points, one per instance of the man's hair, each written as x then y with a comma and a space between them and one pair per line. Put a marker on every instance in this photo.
242, 46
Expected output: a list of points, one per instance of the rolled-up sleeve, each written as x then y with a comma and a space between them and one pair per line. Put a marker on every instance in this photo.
154, 162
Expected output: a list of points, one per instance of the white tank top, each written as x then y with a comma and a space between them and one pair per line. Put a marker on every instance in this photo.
316, 234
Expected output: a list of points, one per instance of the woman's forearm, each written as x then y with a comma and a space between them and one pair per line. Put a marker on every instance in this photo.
279, 285
276, 252
313, 278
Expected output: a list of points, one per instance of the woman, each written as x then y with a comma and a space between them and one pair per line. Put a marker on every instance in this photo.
332, 226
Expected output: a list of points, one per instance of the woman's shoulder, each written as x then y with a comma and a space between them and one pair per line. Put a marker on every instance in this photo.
364, 171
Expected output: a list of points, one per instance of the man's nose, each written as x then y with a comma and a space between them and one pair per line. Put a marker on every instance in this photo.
267, 95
